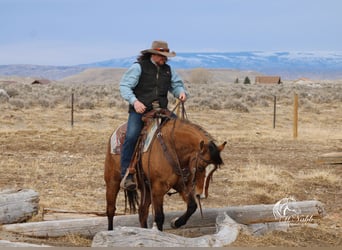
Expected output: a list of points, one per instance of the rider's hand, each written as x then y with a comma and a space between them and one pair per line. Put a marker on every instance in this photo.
182, 97
139, 107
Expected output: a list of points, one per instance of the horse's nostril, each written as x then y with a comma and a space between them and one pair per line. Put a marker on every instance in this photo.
201, 196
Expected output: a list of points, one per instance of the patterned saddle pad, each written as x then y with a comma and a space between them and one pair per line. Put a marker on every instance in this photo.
118, 137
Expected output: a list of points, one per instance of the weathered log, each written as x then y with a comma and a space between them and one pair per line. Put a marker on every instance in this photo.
18, 205
263, 228
86, 227
227, 232
6, 243
89, 227
60, 214
330, 158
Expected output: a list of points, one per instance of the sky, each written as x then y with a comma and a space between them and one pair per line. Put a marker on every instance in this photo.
71, 32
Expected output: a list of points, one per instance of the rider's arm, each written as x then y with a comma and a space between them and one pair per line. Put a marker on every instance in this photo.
177, 85
128, 82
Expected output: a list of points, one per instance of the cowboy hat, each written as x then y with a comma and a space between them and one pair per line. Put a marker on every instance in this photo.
160, 48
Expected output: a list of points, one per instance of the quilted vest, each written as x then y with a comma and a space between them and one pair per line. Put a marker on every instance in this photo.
154, 84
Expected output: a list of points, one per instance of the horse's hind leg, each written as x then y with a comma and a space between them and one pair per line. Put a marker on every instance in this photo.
112, 190
145, 202
191, 208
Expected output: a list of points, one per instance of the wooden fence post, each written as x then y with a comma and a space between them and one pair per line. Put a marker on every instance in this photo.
274, 111
72, 108
295, 116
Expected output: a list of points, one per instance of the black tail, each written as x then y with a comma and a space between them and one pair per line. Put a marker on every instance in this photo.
133, 201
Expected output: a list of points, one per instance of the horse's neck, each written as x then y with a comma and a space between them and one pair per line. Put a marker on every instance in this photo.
186, 136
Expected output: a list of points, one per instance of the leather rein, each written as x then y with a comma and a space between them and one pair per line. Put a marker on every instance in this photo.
173, 159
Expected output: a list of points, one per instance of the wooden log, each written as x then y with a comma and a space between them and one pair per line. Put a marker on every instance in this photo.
86, 227
331, 158
227, 232
18, 205
6, 243
264, 228
60, 214
89, 227
67, 216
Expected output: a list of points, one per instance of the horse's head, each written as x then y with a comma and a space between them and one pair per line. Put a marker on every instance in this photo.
208, 154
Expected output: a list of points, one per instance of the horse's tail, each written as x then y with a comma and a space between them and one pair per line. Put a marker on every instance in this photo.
133, 200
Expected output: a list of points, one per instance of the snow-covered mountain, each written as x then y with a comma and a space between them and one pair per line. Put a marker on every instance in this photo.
288, 65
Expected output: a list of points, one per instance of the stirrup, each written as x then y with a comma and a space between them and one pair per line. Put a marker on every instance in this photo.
128, 186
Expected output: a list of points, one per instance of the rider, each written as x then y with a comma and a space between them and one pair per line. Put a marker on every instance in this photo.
144, 86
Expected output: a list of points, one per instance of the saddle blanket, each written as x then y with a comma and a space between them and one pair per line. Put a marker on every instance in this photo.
118, 137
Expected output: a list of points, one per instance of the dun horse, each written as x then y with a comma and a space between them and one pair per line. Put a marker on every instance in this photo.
176, 159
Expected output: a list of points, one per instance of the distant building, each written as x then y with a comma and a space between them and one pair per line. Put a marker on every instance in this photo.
41, 81
268, 79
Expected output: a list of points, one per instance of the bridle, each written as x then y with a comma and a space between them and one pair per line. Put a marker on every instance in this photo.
200, 168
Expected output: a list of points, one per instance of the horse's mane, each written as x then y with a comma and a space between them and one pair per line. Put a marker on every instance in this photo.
200, 128
215, 154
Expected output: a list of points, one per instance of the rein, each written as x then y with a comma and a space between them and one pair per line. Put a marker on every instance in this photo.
172, 156
169, 152
163, 115
184, 115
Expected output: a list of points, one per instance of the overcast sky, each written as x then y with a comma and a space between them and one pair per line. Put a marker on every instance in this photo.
69, 32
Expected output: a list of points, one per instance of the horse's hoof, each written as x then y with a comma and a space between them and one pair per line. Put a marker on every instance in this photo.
173, 223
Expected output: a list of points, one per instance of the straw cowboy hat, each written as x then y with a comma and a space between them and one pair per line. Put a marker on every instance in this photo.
160, 48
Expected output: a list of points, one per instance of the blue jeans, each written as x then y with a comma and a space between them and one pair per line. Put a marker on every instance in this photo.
134, 127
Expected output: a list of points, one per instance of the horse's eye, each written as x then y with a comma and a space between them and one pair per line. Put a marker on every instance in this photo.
201, 168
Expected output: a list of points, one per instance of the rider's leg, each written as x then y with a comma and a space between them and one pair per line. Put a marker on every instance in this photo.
134, 126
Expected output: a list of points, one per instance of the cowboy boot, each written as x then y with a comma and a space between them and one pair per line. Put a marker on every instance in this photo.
129, 183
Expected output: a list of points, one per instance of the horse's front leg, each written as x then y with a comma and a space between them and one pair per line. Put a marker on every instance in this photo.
157, 207
191, 208
159, 216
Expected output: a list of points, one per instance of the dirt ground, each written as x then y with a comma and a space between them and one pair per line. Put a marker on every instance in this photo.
40, 150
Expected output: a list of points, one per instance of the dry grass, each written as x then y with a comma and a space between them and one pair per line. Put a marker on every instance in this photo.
40, 150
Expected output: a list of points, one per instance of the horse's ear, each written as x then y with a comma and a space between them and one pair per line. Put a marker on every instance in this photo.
221, 147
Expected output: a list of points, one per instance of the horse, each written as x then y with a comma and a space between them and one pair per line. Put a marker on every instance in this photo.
176, 159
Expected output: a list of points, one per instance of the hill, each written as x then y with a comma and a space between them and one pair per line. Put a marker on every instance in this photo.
113, 75
39, 71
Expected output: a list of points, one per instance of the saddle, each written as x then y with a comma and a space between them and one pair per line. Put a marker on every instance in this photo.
152, 123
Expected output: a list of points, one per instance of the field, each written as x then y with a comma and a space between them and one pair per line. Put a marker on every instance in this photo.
40, 150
